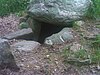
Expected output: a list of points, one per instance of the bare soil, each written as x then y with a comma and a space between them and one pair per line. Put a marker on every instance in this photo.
8, 24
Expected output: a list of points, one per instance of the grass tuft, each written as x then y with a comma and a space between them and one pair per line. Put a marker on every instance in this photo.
12, 6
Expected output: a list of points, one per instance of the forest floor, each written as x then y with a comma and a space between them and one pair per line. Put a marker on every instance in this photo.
52, 60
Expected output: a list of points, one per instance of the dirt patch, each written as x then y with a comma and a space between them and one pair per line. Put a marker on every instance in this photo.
8, 24
44, 61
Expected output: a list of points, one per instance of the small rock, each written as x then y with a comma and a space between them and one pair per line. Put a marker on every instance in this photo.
56, 62
79, 23
6, 57
75, 47
47, 56
98, 67
26, 46
37, 67
21, 65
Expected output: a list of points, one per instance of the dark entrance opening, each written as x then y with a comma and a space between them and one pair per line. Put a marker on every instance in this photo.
47, 30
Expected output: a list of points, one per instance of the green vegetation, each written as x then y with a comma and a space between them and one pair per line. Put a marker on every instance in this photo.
12, 6
98, 26
95, 52
96, 8
78, 58
96, 42
82, 56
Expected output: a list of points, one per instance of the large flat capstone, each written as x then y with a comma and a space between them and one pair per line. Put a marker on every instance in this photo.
58, 12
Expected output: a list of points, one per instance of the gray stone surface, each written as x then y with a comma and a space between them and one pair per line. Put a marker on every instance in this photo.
23, 25
26, 46
6, 57
58, 12
36, 27
21, 34
64, 35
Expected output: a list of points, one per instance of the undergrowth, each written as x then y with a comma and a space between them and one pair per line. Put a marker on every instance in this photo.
12, 6
82, 56
96, 8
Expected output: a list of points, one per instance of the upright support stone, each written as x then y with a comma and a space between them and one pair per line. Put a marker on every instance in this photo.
36, 27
